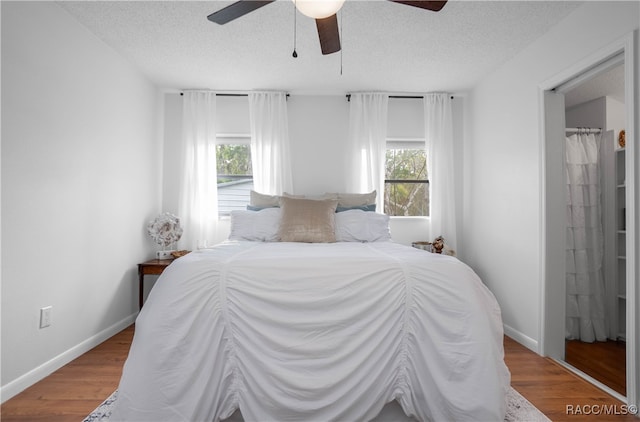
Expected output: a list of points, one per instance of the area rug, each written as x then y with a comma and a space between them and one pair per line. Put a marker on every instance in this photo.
519, 409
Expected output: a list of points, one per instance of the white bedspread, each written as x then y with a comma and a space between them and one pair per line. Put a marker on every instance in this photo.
315, 332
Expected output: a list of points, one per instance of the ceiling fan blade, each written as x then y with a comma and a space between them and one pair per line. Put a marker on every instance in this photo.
434, 6
236, 10
328, 34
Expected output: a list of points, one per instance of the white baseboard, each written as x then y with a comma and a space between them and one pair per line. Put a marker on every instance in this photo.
27, 380
525, 340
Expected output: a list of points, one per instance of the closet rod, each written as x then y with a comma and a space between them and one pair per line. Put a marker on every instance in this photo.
583, 130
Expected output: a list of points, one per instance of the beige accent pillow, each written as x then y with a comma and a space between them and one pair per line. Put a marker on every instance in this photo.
261, 200
290, 195
307, 220
316, 197
356, 199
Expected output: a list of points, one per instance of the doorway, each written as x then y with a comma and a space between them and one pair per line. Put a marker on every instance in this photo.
553, 336
595, 320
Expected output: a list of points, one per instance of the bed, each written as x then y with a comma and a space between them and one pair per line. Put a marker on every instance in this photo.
315, 331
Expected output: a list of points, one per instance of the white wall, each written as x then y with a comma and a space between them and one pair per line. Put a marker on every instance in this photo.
80, 179
503, 158
318, 128
592, 114
616, 120
318, 132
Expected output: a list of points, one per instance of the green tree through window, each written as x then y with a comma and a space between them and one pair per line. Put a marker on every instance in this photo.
406, 190
233, 160
235, 176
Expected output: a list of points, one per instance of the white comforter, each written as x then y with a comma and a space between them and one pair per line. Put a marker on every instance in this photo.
315, 332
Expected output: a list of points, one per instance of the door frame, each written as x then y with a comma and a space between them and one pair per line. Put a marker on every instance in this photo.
552, 294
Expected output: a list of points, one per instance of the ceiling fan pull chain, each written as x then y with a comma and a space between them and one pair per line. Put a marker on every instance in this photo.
295, 28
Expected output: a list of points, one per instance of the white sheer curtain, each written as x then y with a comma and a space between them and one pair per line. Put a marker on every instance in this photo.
270, 154
440, 165
585, 285
367, 138
198, 209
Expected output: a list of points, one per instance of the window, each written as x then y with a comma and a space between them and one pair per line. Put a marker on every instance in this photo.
406, 187
235, 176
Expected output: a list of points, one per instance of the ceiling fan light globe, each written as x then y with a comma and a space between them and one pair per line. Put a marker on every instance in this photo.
318, 9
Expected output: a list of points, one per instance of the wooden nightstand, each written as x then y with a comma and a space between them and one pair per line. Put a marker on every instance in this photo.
151, 267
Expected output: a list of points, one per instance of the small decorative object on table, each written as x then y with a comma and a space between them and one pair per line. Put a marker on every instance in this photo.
440, 247
438, 244
425, 246
178, 254
165, 230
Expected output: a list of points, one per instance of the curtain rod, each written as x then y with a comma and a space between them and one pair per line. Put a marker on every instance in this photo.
222, 94
398, 96
583, 130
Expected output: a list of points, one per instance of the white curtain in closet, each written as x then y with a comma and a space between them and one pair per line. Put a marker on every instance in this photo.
270, 153
367, 139
198, 208
584, 250
440, 166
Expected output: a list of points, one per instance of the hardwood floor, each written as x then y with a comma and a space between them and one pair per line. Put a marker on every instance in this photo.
602, 360
605, 361
556, 391
72, 392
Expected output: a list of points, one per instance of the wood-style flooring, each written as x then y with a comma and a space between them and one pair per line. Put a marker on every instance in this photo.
603, 360
72, 392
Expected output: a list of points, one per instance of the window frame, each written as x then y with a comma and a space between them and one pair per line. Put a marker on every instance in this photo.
232, 139
407, 143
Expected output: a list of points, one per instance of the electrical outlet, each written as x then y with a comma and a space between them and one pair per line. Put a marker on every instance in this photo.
45, 316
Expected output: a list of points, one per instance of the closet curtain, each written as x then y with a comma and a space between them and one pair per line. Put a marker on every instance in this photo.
584, 250
198, 207
270, 153
440, 166
367, 139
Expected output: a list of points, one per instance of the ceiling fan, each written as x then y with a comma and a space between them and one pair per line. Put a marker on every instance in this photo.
326, 19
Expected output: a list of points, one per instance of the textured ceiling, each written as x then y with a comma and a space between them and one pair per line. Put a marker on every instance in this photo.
386, 46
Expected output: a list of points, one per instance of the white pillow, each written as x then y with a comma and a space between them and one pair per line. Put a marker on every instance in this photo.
256, 226
362, 226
